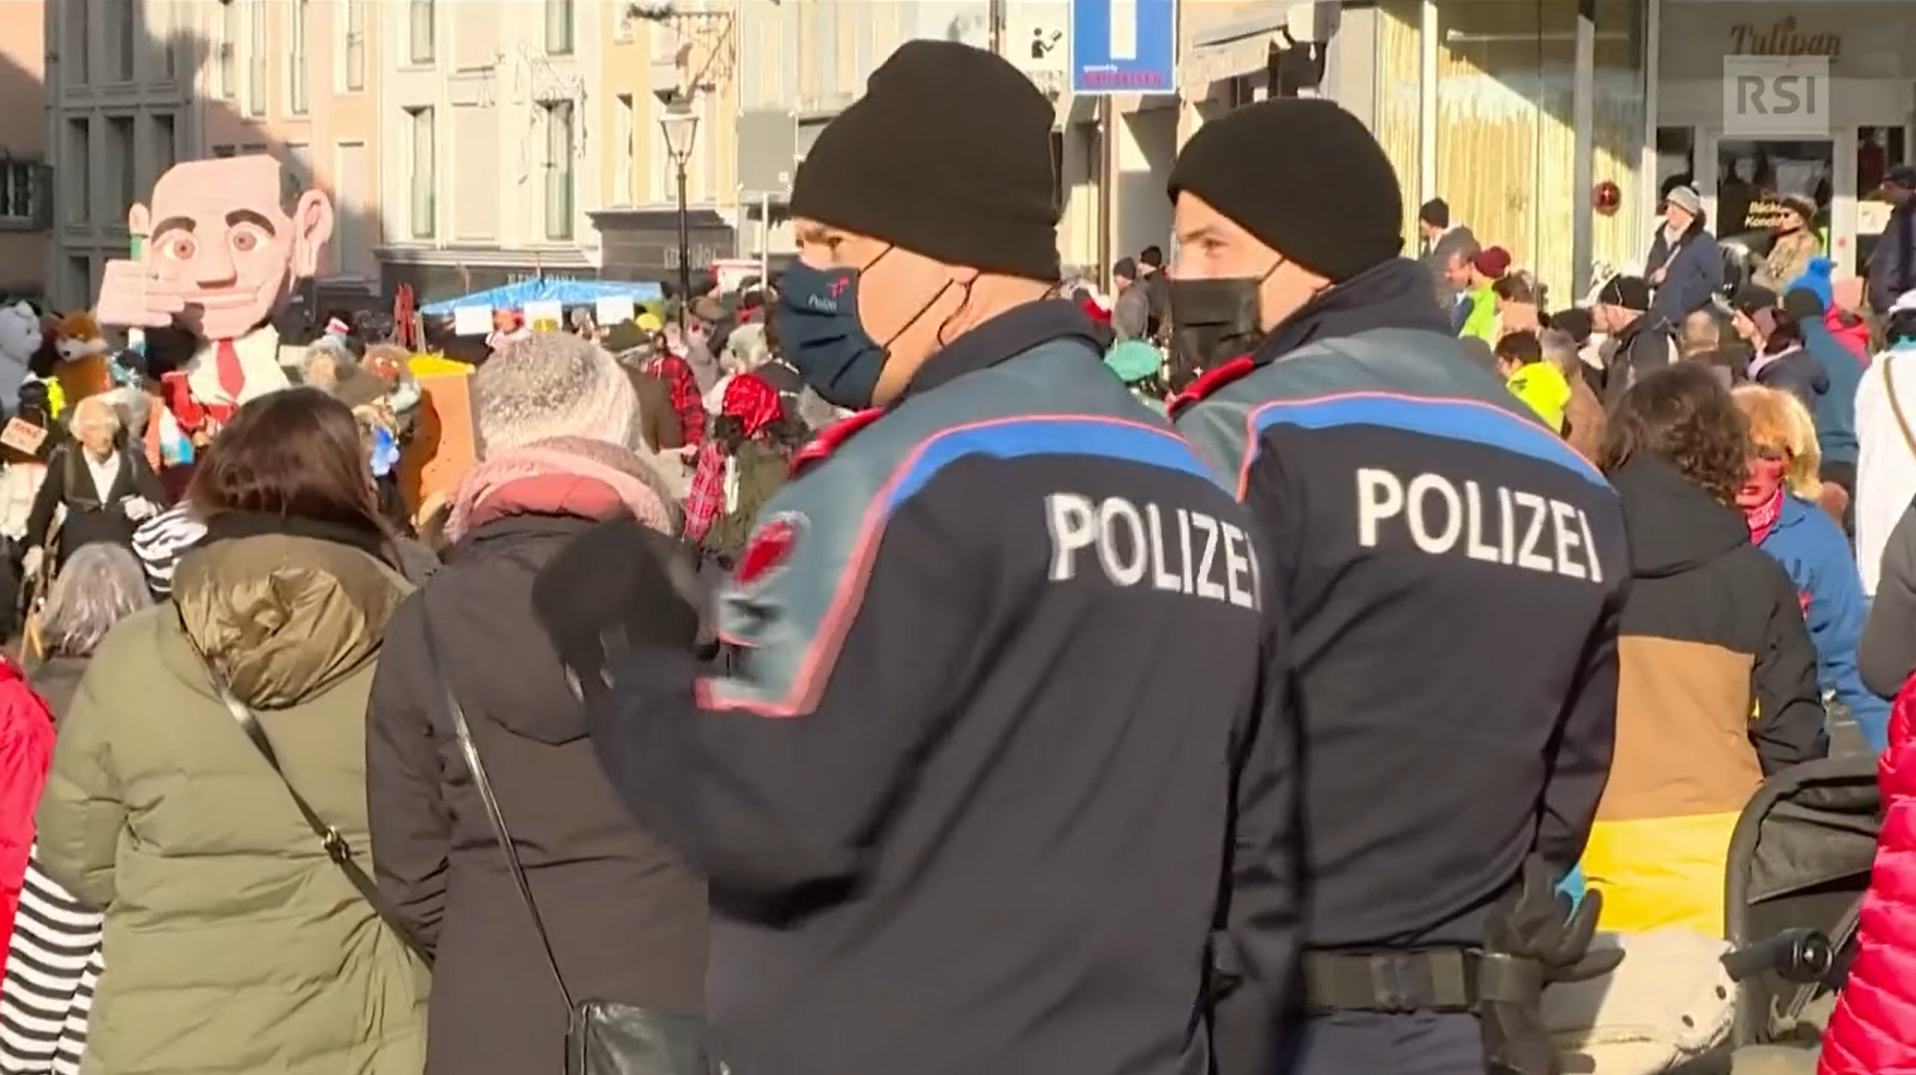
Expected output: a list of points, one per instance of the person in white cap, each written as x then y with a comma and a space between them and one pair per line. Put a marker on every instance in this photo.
1684, 266
1886, 439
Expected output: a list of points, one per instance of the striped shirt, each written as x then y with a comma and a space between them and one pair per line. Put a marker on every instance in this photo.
161, 541
53, 964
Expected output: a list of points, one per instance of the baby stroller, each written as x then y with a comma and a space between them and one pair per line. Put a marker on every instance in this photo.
1799, 860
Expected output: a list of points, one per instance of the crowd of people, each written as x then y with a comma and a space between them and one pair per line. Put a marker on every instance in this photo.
916, 663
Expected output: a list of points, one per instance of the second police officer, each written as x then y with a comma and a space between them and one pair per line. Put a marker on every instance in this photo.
1452, 576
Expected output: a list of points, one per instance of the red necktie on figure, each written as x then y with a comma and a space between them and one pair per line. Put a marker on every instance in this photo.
232, 375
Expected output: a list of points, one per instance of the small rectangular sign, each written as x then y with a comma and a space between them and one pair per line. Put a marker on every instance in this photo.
22, 436
1776, 97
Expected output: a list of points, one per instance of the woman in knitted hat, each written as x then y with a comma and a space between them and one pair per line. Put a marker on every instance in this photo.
557, 425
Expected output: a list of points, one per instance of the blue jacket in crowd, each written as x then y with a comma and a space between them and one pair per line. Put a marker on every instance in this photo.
1835, 409
1690, 276
1812, 549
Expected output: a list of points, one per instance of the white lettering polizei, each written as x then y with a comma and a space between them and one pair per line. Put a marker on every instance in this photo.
1214, 560
1491, 525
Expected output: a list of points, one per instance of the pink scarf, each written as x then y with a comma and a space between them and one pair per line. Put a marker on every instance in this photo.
561, 476
1762, 517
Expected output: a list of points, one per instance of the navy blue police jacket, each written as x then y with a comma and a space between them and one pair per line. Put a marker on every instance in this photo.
1453, 574
965, 793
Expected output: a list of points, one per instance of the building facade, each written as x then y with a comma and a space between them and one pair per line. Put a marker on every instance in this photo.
26, 186
489, 128
120, 81
1554, 128
136, 85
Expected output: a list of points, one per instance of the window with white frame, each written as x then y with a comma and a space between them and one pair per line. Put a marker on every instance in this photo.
352, 46
559, 193
625, 144
559, 27
420, 31
296, 78
257, 47
227, 74
422, 164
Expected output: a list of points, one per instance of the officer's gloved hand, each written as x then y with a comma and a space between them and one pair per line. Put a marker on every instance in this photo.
1537, 924
617, 588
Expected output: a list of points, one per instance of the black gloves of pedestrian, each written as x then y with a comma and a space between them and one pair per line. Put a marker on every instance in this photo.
1536, 924
615, 589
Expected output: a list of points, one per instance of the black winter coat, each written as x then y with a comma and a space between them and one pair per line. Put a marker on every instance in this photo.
626, 917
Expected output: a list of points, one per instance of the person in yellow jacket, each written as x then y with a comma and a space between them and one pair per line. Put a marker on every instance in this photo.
1478, 308
1538, 383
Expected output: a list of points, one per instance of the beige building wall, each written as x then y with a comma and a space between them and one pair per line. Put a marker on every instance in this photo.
26, 188
299, 79
491, 132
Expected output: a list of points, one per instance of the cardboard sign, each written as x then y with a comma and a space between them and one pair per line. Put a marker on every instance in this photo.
22, 436
614, 310
471, 320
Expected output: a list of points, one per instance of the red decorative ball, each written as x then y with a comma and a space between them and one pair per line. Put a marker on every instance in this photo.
1606, 198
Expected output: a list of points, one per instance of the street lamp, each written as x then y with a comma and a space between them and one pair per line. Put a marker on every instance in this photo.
681, 126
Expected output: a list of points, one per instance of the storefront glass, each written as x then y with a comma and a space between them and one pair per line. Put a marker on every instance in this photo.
1506, 139
1400, 107
1618, 118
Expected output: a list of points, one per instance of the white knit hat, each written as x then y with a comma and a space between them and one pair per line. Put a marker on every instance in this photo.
554, 384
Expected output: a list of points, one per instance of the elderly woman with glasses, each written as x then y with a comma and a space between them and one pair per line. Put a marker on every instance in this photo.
105, 488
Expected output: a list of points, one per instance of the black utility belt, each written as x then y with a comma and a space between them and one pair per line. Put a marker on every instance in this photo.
1418, 980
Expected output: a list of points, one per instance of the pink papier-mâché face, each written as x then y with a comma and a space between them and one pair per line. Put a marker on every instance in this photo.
219, 230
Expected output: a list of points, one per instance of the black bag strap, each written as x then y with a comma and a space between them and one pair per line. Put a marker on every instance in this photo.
501, 834
335, 843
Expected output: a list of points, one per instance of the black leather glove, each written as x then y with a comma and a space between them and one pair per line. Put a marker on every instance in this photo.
1535, 922
617, 588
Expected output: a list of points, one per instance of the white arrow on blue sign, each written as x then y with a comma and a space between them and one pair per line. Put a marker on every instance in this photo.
1124, 46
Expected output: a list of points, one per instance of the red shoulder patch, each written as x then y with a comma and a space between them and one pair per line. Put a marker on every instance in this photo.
828, 439
1210, 381
770, 548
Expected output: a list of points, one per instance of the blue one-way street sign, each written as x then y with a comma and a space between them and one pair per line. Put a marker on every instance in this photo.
1124, 46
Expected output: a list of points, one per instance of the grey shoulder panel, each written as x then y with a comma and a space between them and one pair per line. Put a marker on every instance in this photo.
1374, 377
805, 570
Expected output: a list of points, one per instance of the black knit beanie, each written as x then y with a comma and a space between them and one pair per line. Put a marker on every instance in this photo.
948, 155
1305, 178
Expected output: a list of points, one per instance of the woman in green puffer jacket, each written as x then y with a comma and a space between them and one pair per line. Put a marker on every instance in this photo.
234, 944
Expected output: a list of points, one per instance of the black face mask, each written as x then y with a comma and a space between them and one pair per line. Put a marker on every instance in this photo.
1214, 321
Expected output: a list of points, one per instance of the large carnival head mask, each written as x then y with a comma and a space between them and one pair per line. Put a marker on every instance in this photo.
227, 232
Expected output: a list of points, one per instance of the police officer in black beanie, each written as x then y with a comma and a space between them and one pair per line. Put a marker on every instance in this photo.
964, 792
1450, 574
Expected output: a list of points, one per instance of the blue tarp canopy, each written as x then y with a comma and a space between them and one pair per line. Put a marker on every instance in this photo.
563, 292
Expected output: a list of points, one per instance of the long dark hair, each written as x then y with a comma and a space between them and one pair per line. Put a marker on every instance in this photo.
296, 454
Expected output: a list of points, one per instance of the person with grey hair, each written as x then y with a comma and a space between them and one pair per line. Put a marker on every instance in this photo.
54, 950
1583, 415
560, 451
105, 487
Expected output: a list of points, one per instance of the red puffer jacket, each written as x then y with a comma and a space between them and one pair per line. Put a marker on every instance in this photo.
26, 750
1873, 1031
